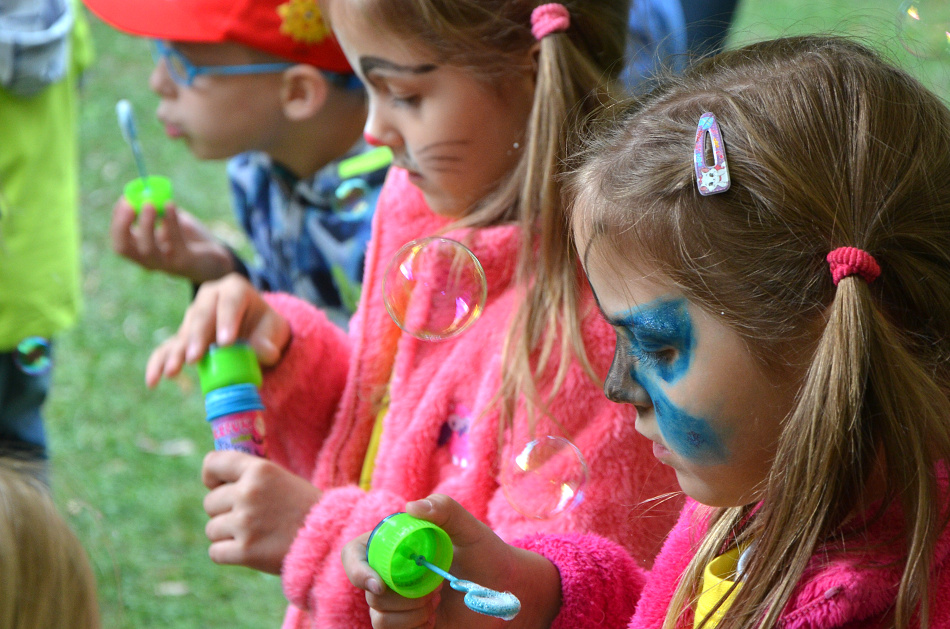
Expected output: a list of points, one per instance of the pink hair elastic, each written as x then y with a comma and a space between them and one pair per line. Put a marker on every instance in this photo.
710, 178
846, 261
549, 18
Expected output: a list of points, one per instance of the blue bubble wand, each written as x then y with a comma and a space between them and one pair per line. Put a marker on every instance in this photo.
123, 110
480, 599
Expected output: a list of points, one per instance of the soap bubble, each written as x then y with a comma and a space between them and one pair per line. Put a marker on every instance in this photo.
545, 478
33, 356
923, 27
434, 288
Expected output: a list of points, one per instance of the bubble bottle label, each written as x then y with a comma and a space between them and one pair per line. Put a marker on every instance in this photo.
241, 431
229, 379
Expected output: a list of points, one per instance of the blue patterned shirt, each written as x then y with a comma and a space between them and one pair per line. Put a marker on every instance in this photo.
309, 234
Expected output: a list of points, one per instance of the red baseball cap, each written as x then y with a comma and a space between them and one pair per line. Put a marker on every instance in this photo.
291, 29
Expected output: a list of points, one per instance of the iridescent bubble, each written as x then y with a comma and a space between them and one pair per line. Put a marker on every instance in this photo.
923, 27
351, 196
33, 355
434, 288
545, 478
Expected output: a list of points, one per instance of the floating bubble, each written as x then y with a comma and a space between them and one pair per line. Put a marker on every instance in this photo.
33, 356
545, 478
923, 27
434, 288
352, 196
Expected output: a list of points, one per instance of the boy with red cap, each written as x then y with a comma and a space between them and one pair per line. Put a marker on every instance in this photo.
261, 82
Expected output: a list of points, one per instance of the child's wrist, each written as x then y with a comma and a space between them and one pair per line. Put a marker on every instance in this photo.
535, 580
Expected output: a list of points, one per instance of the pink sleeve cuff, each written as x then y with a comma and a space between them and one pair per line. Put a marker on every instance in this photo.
600, 581
302, 390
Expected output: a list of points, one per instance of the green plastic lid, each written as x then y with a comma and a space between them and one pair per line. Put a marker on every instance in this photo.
392, 549
154, 189
365, 162
222, 366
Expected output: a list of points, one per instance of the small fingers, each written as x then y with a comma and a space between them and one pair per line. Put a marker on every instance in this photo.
231, 307
226, 551
270, 337
120, 229
358, 570
391, 611
168, 234
167, 360
143, 234
197, 330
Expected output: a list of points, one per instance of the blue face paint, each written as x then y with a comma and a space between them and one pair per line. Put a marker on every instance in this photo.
659, 336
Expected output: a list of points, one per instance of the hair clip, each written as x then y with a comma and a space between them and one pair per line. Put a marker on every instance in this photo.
714, 178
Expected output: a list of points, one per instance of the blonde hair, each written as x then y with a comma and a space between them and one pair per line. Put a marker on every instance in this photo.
576, 70
46, 581
827, 146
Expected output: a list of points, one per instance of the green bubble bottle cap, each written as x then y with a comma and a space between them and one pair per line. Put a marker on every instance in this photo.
223, 366
392, 549
153, 189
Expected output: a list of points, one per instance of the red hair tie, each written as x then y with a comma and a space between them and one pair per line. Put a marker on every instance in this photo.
846, 261
549, 18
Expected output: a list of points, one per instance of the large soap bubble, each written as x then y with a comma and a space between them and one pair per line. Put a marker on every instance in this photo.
545, 478
434, 288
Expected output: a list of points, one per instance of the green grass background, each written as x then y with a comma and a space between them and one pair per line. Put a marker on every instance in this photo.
126, 460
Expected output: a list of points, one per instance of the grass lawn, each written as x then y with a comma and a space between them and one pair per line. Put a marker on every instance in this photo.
126, 460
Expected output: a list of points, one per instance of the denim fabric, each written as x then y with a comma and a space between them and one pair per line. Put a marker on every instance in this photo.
310, 237
657, 39
21, 399
666, 34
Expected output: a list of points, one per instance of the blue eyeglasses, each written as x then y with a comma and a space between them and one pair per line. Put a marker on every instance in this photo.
183, 72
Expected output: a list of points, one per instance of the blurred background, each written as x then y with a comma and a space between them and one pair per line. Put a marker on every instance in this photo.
126, 460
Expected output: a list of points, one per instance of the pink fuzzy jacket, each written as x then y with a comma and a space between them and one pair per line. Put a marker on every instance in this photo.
322, 399
846, 591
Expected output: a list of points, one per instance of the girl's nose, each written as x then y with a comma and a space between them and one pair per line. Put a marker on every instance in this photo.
371, 139
378, 131
620, 385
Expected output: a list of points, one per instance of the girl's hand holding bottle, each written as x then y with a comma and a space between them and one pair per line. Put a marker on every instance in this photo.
480, 556
223, 311
256, 508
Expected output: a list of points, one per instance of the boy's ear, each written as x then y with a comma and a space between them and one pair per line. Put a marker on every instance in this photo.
303, 92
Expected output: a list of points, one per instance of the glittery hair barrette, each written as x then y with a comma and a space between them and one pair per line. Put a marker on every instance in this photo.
710, 178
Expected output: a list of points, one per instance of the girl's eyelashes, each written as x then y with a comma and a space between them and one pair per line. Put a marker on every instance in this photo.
410, 100
649, 351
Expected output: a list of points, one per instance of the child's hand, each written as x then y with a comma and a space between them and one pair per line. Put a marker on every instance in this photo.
222, 312
178, 245
256, 508
480, 556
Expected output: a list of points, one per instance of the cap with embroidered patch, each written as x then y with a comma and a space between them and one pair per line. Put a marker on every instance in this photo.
291, 29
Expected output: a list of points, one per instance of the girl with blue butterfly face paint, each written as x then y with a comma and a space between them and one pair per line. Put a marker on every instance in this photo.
712, 411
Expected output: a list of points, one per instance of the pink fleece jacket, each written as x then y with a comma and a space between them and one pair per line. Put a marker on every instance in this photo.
441, 432
838, 590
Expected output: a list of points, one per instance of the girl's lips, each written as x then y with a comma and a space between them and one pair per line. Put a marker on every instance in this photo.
661, 452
